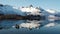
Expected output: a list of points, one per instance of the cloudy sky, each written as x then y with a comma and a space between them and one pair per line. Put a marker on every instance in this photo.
46, 4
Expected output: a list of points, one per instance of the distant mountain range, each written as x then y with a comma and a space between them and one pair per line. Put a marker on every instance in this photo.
7, 9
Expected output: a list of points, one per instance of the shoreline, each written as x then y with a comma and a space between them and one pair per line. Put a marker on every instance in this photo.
19, 17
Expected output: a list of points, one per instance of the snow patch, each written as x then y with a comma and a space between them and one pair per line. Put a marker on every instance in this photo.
29, 25
50, 25
51, 11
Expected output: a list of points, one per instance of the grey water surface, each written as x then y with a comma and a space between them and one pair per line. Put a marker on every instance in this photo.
6, 27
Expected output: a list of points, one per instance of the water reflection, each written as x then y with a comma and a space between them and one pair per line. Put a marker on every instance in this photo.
7, 24
28, 24
50, 25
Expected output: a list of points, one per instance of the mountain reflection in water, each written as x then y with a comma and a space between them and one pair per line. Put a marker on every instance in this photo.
29, 26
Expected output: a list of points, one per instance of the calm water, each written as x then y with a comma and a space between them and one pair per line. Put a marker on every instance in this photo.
9, 27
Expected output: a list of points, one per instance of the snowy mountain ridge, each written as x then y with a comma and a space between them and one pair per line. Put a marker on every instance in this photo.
7, 9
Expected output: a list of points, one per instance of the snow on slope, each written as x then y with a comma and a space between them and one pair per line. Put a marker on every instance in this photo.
30, 10
33, 10
51, 11
37, 11
7, 9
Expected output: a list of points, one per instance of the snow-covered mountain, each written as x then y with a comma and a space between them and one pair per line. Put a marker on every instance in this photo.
7, 9
51, 11
37, 10
33, 10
